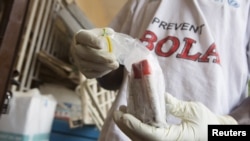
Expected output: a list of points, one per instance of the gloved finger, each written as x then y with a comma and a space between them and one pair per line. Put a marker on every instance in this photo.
117, 116
182, 109
123, 108
93, 66
93, 55
94, 74
135, 128
87, 66
86, 37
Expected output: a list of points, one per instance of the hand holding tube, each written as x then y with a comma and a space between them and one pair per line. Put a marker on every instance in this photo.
195, 118
90, 53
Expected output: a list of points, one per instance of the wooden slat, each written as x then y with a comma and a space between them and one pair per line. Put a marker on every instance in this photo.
6, 7
9, 45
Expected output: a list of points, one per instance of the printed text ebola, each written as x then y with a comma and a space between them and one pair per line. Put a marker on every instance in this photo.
152, 43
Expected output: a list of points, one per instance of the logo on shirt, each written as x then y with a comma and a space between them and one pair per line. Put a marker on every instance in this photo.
181, 47
232, 3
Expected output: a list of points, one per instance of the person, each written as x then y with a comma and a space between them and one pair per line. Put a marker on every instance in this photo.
203, 49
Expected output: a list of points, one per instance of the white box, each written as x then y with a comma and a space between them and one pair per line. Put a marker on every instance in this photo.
30, 117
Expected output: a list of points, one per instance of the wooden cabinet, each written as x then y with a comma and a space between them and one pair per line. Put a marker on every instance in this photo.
12, 17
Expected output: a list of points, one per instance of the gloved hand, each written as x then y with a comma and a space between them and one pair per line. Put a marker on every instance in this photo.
195, 118
90, 53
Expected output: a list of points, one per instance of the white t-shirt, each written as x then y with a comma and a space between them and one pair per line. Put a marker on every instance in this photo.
201, 45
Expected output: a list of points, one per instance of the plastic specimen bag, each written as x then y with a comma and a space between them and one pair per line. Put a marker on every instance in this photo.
146, 86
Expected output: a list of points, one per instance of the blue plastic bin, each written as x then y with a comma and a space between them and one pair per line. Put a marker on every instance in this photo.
62, 132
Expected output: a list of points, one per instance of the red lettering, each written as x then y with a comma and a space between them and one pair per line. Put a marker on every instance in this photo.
175, 45
210, 52
185, 54
165, 51
149, 37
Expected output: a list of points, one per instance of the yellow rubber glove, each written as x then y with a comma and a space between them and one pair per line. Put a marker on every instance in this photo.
90, 52
195, 120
